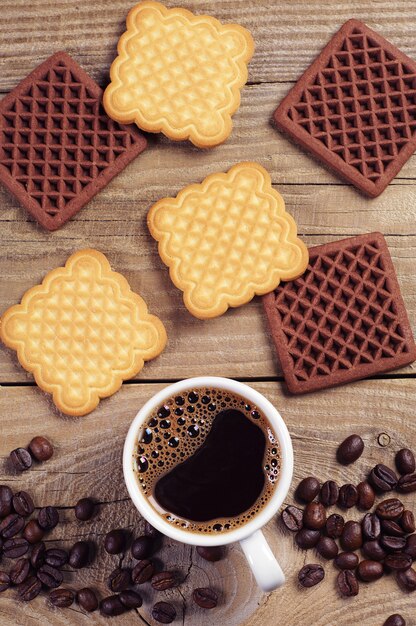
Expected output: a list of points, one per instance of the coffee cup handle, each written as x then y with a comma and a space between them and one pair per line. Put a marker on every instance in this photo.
266, 569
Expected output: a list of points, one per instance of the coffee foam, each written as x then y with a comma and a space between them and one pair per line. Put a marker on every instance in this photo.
174, 432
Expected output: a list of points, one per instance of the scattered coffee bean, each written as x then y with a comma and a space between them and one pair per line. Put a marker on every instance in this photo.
410, 547
37, 558
306, 538
392, 544
292, 517
405, 461
407, 483
23, 504
163, 580
115, 541
212, 553
383, 478
62, 598
390, 509
395, 620
87, 599
41, 448
21, 459
398, 560
142, 572
151, 531
84, 509
79, 554
56, 557
371, 526
11, 525
366, 496
29, 589
351, 538
370, 570
329, 493
142, 547
311, 574
163, 612
119, 579
48, 517
346, 560
6, 498
20, 571
112, 606
33, 532
373, 550
308, 489
15, 547
327, 548
314, 516
407, 579
131, 599
334, 526
407, 522
205, 597
389, 527
347, 583
348, 496
4, 581
350, 450
50, 576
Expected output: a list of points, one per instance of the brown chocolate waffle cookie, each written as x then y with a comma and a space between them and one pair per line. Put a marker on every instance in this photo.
355, 108
344, 319
58, 148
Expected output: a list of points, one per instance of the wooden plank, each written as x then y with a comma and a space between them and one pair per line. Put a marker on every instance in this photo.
87, 461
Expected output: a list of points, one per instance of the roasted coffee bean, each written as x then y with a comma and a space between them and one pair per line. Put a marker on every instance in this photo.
351, 538
29, 589
370, 570
163, 580
306, 538
4, 581
37, 558
329, 493
131, 599
112, 606
213, 553
350, 450
79, 554
407, 522
407, 579
407, 483
142, 572
23, 504
56, 557
373, 550
395, 620
311, 574
50, 576
347, 583
62, 598
292, 517
327, 548
366, 496
6, 498
388, 527
308, 489
15, 547
348, 496
390, 509
383, 478
84, 509
119, 579
115, 541
48, 517
163, 612
314, 516
21, 459
410, 547
87, 599
334, 526
20, 571
405, 461
205, 597
398, 560
41, 448
11, 525
151, 531
33, 532
371, 526
392, 544
346, 560
142, 547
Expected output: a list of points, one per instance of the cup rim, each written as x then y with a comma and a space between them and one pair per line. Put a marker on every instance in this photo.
281, 489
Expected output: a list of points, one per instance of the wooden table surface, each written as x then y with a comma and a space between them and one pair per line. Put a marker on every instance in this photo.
288, 35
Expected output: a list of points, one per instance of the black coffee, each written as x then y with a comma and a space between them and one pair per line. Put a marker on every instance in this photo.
207, 460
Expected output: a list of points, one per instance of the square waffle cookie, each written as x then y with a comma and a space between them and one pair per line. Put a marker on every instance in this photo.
58, 148
344, 319
355, 108
82, 332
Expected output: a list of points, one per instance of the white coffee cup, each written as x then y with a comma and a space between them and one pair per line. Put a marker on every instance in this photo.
264, 565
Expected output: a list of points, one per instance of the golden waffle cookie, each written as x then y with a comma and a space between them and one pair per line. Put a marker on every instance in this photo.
82, 332
227, 239
179, 74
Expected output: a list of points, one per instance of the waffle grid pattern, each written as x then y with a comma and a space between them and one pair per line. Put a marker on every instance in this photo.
344, 319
